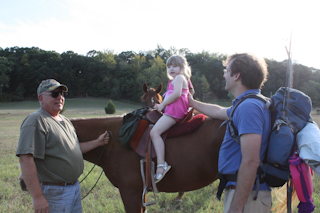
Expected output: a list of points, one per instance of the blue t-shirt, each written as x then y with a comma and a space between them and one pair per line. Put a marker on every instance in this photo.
250, 117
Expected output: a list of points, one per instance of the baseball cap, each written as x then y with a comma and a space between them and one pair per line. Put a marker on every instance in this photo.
50, 85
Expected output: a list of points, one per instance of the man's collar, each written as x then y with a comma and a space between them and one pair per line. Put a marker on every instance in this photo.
254, 91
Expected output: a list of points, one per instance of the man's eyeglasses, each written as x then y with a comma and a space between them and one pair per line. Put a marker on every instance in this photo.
55, 94
225, 71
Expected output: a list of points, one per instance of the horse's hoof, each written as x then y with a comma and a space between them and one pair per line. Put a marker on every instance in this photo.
179, 197
179, 200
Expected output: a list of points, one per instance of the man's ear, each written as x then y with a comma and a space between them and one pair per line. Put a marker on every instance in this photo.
40, 98
236, 76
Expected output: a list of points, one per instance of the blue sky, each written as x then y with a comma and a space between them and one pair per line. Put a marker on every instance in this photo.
225, 26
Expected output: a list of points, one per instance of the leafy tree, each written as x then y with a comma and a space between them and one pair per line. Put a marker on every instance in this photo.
201, 86
5, 69
301, 75
74, 73
127, 56
312, 89
160, 51
276, 77
120, 76
209, 65
92, 53
154, 75
19, 93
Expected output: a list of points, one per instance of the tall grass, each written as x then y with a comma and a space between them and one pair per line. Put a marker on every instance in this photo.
104, 197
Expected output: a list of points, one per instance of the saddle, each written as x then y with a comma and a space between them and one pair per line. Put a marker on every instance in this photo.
189, 124
138, 140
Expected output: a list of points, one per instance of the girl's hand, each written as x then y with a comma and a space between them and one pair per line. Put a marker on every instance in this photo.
159, 107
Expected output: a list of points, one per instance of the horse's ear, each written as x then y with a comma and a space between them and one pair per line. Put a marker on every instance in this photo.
145, 87
159, 89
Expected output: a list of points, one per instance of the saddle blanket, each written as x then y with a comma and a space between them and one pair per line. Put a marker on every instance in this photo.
186, 127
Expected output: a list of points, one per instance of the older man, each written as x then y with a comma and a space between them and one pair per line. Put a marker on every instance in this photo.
50, 154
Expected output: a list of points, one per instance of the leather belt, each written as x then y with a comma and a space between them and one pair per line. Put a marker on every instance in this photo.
230, 187
58, 184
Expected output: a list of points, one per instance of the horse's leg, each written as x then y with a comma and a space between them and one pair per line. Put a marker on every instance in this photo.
132, 200
179, 197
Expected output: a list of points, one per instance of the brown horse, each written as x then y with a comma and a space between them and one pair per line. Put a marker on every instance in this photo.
193, 157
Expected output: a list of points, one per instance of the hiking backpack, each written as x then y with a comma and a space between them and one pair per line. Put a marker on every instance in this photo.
284, 127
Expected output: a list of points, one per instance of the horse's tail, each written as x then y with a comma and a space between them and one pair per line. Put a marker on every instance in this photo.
280, 198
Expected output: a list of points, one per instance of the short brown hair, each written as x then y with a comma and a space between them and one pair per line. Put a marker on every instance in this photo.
253, 71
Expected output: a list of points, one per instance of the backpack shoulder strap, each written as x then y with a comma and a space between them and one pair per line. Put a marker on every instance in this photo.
232, 129
253, 95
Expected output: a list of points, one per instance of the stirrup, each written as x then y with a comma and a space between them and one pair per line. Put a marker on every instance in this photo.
166, 167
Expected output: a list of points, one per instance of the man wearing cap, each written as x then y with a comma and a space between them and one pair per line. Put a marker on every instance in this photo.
50, 154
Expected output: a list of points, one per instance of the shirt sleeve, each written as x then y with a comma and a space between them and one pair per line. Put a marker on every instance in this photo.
32, 138
250, 117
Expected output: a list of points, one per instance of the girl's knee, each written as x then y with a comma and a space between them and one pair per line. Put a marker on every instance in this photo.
153, 134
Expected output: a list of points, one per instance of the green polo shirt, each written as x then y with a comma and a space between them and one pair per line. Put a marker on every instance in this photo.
54, 146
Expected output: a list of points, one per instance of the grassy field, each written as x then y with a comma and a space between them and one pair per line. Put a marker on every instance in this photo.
104, 197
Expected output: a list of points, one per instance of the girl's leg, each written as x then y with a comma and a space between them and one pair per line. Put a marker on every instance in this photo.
162, 125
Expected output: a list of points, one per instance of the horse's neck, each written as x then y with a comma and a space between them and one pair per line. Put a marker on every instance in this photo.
90, 129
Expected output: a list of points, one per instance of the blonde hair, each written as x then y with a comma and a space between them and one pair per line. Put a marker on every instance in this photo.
182, 62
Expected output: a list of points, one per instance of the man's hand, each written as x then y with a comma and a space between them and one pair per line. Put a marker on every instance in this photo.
190, 97
103, 139
40, 205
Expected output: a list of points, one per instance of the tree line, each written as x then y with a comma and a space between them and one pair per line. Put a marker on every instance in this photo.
121, 76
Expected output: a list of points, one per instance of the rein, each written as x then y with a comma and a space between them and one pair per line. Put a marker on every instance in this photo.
104, 147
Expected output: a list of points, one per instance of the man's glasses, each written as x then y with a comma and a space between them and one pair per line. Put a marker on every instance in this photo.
55, 94
225, 71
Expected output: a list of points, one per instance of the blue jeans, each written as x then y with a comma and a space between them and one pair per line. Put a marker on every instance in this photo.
63, 198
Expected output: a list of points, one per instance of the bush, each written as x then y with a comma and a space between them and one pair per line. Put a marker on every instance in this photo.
110, 108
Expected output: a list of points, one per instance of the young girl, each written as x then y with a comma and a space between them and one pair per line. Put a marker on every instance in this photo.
176, 105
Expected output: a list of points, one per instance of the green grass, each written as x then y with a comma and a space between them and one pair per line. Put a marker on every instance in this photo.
104, 197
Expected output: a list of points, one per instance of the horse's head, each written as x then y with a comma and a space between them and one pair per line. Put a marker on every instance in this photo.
151, 96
